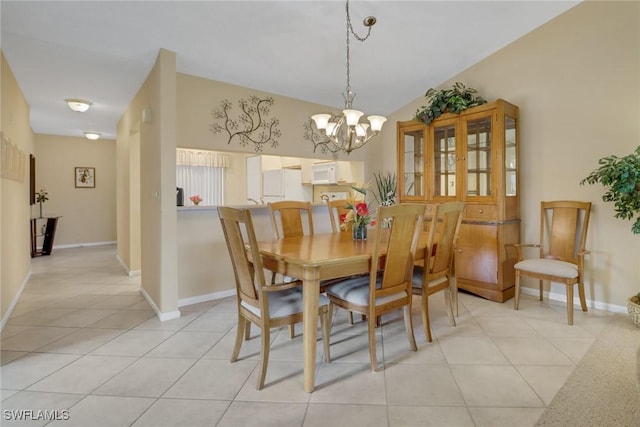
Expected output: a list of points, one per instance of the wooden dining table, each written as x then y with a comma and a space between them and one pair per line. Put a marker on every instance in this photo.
315, 258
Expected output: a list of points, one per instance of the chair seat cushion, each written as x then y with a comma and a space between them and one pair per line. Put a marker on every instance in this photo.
284, 303
417, 279
356, 291
551, 267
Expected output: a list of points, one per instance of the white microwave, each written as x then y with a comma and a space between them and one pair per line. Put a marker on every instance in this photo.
324, 173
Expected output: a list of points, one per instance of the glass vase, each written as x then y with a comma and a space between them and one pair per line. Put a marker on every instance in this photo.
359, 233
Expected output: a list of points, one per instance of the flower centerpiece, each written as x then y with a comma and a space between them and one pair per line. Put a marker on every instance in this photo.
41, 197
195, 199
358, 216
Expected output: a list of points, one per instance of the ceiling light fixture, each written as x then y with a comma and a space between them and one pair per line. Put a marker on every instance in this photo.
346, 132
79, 105
92, 135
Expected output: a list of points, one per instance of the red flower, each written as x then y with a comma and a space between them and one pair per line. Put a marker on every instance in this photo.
362, 209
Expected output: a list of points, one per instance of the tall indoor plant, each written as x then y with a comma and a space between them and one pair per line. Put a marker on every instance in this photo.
621, 178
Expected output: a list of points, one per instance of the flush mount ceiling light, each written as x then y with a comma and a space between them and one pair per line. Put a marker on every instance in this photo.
345, 131
79, 105
92, 135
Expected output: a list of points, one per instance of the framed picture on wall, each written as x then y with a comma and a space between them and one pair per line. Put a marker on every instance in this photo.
85, 177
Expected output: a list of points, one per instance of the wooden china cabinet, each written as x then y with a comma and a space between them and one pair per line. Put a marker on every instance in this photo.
470, 157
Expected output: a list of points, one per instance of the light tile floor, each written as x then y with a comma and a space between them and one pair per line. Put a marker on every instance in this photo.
83, 339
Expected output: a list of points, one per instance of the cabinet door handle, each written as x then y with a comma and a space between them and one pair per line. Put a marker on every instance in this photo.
481, 211
459, 251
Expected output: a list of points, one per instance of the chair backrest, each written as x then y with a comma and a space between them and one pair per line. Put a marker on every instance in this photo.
446, 218
243, 250
563, 229
290, 213
337, 208
403, 236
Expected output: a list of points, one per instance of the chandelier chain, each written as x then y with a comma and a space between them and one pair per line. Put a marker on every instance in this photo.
349, 94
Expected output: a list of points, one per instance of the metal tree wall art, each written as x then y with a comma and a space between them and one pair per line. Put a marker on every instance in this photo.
251, 126
319, 140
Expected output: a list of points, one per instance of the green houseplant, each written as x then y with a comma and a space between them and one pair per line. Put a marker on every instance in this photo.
621, 178
454, 100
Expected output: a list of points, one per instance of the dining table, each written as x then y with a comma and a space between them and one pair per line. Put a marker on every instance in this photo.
319, 257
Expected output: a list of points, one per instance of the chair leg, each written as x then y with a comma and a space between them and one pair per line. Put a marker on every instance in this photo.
454, 290
540, 286
408, 325
372, 342
516, 299
330, 317
350, 316
570, 304
583, 300
264, 356
425, 315
242, 326
325, 325
292, 331
247, 331
448, 301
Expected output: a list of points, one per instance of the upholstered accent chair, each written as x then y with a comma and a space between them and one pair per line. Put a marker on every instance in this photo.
563, 235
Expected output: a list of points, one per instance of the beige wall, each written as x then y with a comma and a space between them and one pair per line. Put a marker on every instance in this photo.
197, 96
88, 214
157, 182
15, 247
577, 83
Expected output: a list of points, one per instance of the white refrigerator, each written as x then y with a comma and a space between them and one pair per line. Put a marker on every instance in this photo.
284, 184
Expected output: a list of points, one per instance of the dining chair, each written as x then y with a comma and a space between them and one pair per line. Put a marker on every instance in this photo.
435, 272
268, 306
563, 235
288, 218
388, 286
338, 208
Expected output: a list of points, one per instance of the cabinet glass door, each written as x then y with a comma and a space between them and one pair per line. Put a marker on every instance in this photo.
413, 162
510, 157
444, 161
478, 154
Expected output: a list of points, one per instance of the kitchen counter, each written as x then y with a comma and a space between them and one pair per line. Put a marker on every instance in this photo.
204, 268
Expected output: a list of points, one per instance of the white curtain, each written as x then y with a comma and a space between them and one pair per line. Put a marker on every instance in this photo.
201, 173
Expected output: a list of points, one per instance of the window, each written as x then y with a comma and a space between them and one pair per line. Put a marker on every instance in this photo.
201, 172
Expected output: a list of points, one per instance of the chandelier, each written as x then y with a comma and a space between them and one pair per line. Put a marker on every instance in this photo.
346, 132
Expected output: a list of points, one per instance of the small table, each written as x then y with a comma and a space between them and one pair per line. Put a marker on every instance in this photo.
314, 258
49, 233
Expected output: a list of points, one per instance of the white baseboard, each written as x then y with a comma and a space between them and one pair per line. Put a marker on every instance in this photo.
9, 311
161, 315
83, 245
126, 268
207, 297
554, 296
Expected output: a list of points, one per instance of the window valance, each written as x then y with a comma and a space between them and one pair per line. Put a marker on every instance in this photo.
188, 157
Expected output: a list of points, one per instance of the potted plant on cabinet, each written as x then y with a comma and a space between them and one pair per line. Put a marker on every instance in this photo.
621, 178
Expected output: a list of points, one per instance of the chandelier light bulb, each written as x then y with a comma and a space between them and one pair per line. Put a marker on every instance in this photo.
321, 120
376, 122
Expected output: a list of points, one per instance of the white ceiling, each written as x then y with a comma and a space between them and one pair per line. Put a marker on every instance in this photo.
103, 50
